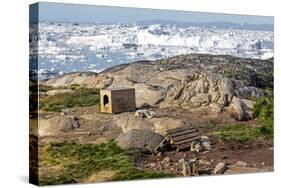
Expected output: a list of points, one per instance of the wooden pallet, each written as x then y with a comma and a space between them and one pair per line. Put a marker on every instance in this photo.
182, 137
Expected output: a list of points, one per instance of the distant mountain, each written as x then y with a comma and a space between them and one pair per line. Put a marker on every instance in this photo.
218, 25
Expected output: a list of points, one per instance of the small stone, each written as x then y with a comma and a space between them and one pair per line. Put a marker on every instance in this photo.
262, 163
204, 162
254, 165
205, 152
62, 113
167, 159
206, 146
74, 118
241, 164
247, 146
181, 161
220, 168
167, 164
159, 154
224, 157
152, 165
204, 139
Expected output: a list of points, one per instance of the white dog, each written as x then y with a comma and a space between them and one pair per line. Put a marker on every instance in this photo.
145, 114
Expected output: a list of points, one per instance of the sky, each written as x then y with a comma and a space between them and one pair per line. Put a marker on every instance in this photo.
61, 12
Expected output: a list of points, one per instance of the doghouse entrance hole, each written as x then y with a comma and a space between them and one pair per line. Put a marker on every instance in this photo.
105, 101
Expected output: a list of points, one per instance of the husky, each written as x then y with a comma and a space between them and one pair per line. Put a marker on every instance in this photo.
145, 114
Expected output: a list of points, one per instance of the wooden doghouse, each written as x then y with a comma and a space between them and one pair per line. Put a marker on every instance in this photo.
116, 100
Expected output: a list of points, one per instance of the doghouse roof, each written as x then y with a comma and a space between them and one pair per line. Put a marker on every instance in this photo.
118, 89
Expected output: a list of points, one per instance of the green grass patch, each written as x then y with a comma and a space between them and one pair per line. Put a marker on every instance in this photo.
263, 108
239, 133
72, 162
43, 88
264, 111
80, 97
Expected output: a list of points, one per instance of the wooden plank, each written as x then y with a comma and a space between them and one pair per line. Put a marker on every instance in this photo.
171, 131
184, 145
182, 133
160, 145
184, 137
187, 140
179, 129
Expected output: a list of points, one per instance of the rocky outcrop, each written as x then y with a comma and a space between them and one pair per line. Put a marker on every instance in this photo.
242, 109
59, 92
57, 124
70, 79
187, 81
128, 121
144, 140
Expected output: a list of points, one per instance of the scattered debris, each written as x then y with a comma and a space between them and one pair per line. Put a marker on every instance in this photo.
184, 169
167, 159
62, 113
224, 157
159, 154
233, 169
254, 165
220, 168
152, 165
145, 114
204, 162
74, 118
241, 164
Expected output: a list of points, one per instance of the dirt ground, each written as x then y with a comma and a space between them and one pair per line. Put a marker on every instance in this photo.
257, 157
97, 128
